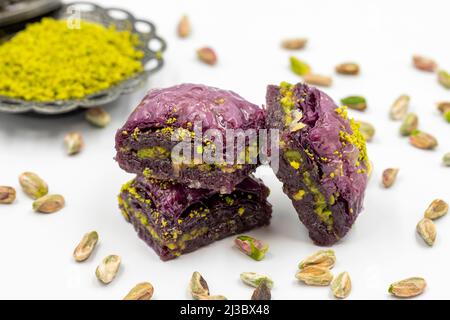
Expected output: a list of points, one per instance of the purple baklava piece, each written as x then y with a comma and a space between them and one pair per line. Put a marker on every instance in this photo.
174, 219
167, 116
323, 161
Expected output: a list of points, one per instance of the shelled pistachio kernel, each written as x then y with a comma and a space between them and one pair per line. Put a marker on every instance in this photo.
389, 177
400, 107
348, 68
409, 125
443, 106
198, 286
427, 230
207, 55
74, 143
262, 292
446, 159
367, 130
318, 80
142, 291
444, 79
438, 208
294, 43
33, 185
7, 195
84, 249
254, 279
322, 258
315, 276
424, 63
355, 102
252, 247
108, 268
184, 27
299, 67
423, 140
341, 285
408, 288
98, 117
50, 203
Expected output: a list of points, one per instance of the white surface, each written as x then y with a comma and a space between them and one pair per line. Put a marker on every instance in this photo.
36, 250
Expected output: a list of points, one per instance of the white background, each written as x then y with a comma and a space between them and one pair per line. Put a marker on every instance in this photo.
36, 250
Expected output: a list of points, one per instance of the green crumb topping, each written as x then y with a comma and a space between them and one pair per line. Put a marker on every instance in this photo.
136, 133
241, 211
287, 101
229, 201
153, 153
148, 173
50, 61
357, 139
295, 165
342, 112
299, 195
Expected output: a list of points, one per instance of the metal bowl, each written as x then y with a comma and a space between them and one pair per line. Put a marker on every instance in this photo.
150, 43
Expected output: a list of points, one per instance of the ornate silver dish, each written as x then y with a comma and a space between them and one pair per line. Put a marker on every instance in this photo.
150, 43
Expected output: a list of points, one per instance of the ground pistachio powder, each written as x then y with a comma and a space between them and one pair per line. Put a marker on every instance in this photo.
50, 61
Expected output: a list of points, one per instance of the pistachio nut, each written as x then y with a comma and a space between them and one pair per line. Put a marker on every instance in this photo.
389, 177
355, 102
322, 258
207, 55
184, 27
423, 140
409, 125
315, 276
142, 291
50, 203
341, 285
252, 247
254, 279
74, 143
318, 80
198, 286
400, 107
299, 67
33, 185
108, 269
86, 246
424, 63
438, 208
294, 43
98, 117
408, 288
427, 231
348, 68
7, 195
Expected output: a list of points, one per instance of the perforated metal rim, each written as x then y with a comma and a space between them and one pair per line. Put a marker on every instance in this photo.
100, 15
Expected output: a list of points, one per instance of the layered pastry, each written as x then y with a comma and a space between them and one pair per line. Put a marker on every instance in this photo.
199, 116
174, 219
323, 161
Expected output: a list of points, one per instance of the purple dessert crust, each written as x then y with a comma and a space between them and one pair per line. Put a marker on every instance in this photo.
324, 165
163, 111
174, 219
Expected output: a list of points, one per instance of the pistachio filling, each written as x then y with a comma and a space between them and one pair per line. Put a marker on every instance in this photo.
155, 152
